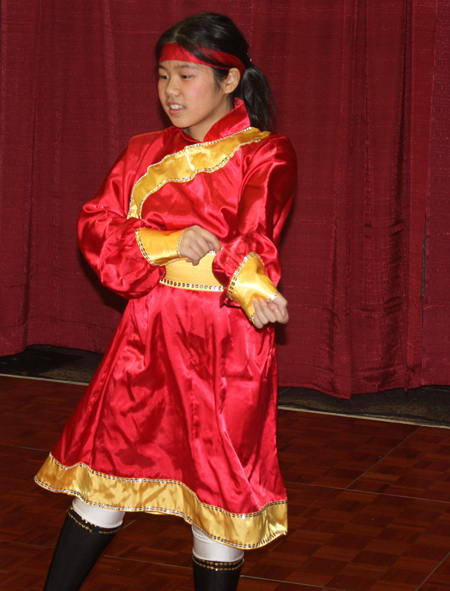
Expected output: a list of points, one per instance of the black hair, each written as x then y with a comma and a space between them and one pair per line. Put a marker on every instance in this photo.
210, 30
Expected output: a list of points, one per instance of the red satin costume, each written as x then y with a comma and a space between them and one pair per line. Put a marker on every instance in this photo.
180, 417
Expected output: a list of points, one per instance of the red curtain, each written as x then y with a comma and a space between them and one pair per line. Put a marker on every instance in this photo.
436, 313
353, 80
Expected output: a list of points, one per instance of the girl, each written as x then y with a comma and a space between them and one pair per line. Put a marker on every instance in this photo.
180, 417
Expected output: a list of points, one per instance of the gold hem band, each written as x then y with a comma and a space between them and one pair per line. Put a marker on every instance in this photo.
241, 530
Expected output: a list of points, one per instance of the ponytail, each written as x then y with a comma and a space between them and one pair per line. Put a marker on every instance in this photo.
254, 89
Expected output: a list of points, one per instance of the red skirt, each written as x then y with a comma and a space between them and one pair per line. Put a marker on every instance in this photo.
180, 418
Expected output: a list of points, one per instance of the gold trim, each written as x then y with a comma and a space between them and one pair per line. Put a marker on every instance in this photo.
179, 243
272, 297
183, 166
184, 275
238, 272
191, 286
69, 513
158, 247
218, 566
240, 530
73, 515
250, 282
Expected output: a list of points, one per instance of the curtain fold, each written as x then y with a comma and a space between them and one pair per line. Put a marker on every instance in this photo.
357, 104
436, 311
353, 84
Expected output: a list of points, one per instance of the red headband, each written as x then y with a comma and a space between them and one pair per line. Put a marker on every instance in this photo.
174, 51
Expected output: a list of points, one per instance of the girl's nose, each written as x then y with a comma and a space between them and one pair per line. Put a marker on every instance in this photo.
171, 88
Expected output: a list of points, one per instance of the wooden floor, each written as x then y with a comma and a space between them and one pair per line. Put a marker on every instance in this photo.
369, 507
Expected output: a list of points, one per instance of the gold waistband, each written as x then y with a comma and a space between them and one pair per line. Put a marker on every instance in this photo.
184, 275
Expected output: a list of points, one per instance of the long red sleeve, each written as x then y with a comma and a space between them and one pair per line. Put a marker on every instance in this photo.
108, 239
267, 193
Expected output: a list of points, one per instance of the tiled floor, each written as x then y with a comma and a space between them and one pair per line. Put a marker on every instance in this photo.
369, 506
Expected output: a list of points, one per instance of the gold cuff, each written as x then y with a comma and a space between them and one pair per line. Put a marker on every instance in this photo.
158, 247
250, 282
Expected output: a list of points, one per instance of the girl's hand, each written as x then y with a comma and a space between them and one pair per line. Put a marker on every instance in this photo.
195, 242
274, 311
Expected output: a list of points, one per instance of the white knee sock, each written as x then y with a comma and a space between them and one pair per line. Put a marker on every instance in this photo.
107, 518
207, 549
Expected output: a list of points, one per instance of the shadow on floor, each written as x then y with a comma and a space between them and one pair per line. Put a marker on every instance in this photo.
428, 405
53, 363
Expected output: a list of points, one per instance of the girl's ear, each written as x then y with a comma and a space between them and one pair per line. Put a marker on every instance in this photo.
231, 82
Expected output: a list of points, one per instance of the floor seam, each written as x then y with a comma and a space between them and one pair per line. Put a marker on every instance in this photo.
366, 492
44, 379
383, 419
22, 447
385, 456
292, 583
432, 572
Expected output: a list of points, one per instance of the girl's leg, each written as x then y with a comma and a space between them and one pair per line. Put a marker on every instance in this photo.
217, 567
85, 534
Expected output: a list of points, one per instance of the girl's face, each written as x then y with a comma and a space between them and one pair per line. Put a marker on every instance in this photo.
192, 98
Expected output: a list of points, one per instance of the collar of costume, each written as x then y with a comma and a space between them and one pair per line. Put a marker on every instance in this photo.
174, 51
236, 120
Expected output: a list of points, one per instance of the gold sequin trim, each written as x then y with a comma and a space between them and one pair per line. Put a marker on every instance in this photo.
237, 273
161, 481
179, 243
195, 172
74, 515
155, 509
150, 509
192, 286
142, 249
272, 297
218, 566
